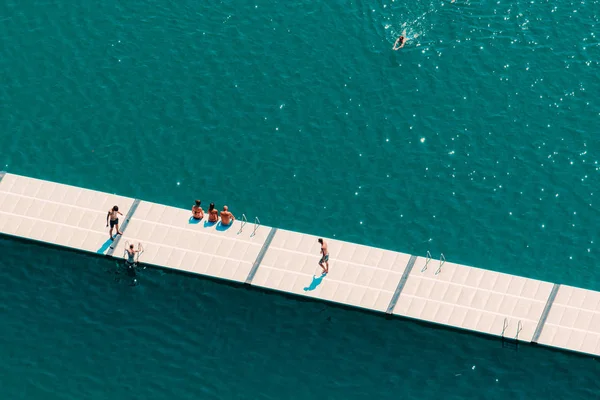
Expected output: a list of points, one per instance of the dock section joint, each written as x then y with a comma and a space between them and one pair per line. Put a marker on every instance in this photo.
115, 243
409, 266
260, 255
544, 316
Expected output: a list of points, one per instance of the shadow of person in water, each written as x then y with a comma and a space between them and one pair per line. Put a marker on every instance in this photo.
315, 282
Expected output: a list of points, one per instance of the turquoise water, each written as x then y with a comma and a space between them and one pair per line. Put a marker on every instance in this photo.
475, 140
70, 332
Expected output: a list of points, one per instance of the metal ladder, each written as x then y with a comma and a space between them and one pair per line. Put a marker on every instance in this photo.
511, 343
245, 221
429, 258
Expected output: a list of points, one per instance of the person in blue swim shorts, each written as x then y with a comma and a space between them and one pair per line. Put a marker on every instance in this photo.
324, 262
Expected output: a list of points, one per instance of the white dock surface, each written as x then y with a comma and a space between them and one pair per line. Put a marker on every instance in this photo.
475, 299
170, 239
360, 276
574, 321
57, 214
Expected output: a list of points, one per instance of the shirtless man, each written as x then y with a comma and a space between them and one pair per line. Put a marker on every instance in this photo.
213, 213
197, 211
400, 42
130, 262
227, 218
131, 256
324, 262
113, 214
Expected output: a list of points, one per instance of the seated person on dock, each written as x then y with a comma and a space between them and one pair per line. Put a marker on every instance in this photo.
197, 211
227, 217
213, 213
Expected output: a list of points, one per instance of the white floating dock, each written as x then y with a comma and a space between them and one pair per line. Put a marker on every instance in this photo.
573, 322
474, 299
57, 214
458, 296
359, 276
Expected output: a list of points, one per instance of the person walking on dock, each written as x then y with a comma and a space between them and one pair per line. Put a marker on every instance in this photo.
324, 262
227, 217
131, 261
113, 214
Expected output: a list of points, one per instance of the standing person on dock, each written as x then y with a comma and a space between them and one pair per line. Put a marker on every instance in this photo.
227, 217
113, 214
197, 211
324, 262
213, 213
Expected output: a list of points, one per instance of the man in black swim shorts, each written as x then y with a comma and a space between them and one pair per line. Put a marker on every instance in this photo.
113, 214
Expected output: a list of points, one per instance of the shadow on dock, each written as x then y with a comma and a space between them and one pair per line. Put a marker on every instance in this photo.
315, 283
221, 227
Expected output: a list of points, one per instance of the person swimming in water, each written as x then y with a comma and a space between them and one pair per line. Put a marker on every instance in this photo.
400, 42
131, 262
131, 252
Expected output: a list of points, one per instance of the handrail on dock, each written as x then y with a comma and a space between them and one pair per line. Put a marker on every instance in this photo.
442, 261
244, 222
256, 225
427, 259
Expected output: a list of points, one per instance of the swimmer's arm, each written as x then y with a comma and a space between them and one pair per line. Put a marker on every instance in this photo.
107, 215
395, 44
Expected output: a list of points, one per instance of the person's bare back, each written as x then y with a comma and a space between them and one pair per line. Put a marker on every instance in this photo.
197, 212
213, 213
226, 217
